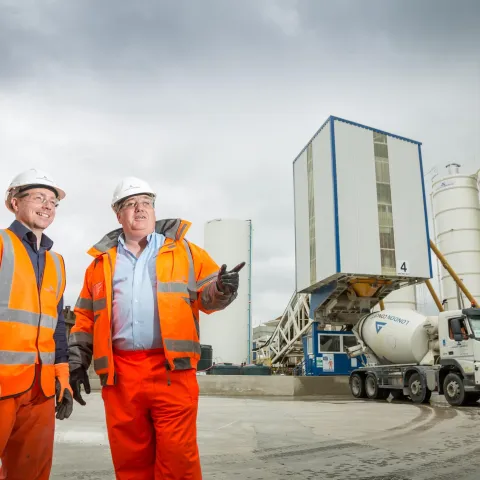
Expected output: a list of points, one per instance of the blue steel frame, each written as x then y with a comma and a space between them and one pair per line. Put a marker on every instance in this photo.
331, 120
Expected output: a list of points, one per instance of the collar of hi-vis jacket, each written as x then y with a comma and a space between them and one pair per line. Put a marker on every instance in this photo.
174, 229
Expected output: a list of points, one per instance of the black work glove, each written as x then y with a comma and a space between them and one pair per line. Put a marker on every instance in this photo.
63, 408
78, 377
227, 282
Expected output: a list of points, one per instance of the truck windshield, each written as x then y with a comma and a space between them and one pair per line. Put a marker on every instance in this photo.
475, 323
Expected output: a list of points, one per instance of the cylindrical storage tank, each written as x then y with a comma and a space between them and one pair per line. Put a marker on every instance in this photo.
395, 336
226, 369
256, 370
456, 211
405, 297
478, 184
229, 331
206, 357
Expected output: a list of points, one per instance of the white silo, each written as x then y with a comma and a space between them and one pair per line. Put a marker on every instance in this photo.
229, 331
405, 297
456, 211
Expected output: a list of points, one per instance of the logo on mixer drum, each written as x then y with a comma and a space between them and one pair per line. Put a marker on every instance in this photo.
379, 326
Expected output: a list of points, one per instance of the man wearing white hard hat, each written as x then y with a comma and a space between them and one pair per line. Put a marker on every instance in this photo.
34, 373
137, 317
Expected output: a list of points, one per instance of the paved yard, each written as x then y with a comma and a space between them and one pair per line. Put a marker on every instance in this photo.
272, 439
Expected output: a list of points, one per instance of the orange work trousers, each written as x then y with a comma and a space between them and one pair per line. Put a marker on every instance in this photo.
151, 416
27, 431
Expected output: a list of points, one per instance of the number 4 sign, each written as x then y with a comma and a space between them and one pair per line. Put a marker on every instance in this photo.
403, 267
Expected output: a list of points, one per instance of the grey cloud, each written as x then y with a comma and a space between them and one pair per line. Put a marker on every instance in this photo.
439, 26
177, 39
122, 35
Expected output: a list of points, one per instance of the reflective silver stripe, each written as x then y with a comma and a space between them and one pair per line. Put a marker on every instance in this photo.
6, 280
182, 363
6, 276
172, 287
84, 303
197, 327
47, 358
208, 279
99, 363
58, 268
182, 229
81, 337
19, 316
8, 357
192, 284
99, 304
182, 346
48, 322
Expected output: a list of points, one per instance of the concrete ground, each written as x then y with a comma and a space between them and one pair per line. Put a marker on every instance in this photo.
290, 438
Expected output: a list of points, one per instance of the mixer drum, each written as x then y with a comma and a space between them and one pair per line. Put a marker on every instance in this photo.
395, 336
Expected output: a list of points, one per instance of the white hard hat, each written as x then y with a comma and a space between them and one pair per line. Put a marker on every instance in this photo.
31, 178
131, 186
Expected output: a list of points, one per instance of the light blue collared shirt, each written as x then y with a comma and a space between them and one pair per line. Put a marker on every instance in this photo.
135, 310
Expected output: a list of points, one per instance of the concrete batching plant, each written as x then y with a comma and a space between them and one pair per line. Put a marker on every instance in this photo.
229, 332
361, 226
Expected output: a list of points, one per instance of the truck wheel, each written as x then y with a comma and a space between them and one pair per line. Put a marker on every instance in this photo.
357, 386
418, 391
372, 389
454, 390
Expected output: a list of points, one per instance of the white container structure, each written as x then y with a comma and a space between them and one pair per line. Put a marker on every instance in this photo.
229, 331
456, 211
405, 297
360, 208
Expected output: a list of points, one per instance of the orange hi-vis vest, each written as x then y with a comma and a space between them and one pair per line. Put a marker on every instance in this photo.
184, 271
28, 317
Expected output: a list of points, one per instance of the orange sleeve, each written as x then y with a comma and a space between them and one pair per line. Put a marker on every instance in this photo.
206, 273
81, 335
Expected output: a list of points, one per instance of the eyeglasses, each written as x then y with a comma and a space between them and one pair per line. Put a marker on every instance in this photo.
145, 203
40, 199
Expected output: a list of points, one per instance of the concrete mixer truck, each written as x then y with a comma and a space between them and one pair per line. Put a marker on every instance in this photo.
411, 355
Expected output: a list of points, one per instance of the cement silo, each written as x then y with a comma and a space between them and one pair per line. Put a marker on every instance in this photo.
405, 297
229, 332
456, 211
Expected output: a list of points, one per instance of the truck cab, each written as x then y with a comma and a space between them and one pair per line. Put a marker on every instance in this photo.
459, 345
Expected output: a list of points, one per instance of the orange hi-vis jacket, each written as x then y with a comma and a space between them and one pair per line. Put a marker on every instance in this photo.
186, 285
28, 317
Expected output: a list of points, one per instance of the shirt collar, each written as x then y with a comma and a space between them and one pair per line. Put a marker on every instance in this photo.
23, 232
121, 238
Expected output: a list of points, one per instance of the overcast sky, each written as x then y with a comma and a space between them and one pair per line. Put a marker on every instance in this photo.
212, 100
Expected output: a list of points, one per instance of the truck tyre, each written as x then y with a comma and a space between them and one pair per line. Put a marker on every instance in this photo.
373, 391
454, 390
418, 391
357, 386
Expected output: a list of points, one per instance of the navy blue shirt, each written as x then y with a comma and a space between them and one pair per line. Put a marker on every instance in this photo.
37, 256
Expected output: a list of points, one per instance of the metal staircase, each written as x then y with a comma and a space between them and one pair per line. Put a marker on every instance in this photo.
286, 340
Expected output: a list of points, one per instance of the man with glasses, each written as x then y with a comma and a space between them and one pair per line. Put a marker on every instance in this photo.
33, 344
138, 317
